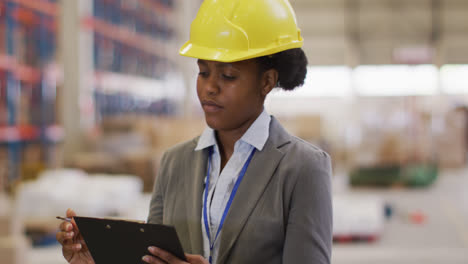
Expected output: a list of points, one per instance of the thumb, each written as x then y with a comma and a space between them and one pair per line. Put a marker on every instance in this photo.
70, 213
195, 258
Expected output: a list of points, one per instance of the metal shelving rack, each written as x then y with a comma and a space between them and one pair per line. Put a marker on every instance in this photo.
133, 40
28, 38
142, 36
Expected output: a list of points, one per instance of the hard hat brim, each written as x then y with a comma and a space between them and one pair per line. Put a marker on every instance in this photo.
223, 55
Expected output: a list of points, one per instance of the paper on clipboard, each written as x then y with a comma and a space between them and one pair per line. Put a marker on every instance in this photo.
123, 242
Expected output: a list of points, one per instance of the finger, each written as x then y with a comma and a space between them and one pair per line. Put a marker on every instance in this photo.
72, 247
196, 259
190, 257
153, 260
62, 237
66, 226
163, 255
70, 214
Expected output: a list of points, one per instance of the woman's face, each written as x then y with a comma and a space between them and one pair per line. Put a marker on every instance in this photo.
230, 93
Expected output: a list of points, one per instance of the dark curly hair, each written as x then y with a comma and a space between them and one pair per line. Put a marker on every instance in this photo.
291, 66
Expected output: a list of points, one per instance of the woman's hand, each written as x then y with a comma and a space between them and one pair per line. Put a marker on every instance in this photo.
163, 257
74, 248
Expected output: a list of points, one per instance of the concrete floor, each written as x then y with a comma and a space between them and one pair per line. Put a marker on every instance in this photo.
443, 238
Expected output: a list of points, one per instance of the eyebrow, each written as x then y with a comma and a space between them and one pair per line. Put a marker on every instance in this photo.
217, 64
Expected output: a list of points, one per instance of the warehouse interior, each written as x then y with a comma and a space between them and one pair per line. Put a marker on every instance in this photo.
92, 93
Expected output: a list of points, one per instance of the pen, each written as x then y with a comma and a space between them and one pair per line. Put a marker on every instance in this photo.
68, 219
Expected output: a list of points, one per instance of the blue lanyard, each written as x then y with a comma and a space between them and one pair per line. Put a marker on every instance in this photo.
228, 205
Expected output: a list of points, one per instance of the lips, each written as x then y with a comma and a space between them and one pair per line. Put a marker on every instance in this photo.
210, 106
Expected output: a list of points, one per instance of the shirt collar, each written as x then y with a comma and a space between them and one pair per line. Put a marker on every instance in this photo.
256, 135
207, 139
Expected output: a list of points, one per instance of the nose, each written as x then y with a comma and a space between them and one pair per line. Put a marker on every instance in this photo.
210, 85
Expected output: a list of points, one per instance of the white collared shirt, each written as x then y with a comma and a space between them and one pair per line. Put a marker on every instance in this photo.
221, 185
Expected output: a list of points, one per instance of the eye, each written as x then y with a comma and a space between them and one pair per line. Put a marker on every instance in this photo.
203, 74
229, 77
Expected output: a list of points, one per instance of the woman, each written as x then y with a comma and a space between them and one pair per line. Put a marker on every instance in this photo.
245, 191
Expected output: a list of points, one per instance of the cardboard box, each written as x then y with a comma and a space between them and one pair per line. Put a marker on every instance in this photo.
14, 249
452, 142
392, 150
143, 165
97, 162
307, 127
167, 132
9, 225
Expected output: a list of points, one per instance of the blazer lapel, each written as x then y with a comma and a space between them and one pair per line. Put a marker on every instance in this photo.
193, 194
256, 179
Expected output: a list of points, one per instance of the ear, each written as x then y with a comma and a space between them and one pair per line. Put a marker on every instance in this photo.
269, 81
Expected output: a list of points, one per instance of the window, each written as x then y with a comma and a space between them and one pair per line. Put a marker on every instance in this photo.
324, 81
454, 79
396, 80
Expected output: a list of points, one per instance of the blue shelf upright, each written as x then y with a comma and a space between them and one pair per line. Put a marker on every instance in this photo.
12, 93
29, 100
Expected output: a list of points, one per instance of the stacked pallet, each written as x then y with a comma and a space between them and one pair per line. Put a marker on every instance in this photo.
14, 245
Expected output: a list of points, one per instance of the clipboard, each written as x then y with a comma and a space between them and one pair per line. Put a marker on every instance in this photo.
124, 242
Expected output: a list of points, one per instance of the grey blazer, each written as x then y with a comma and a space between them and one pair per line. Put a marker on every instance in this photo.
282, 212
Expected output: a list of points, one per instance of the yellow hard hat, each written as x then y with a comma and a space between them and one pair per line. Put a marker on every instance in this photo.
235, 30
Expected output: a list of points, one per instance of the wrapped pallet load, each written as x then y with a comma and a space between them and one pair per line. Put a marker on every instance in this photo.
14, 246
